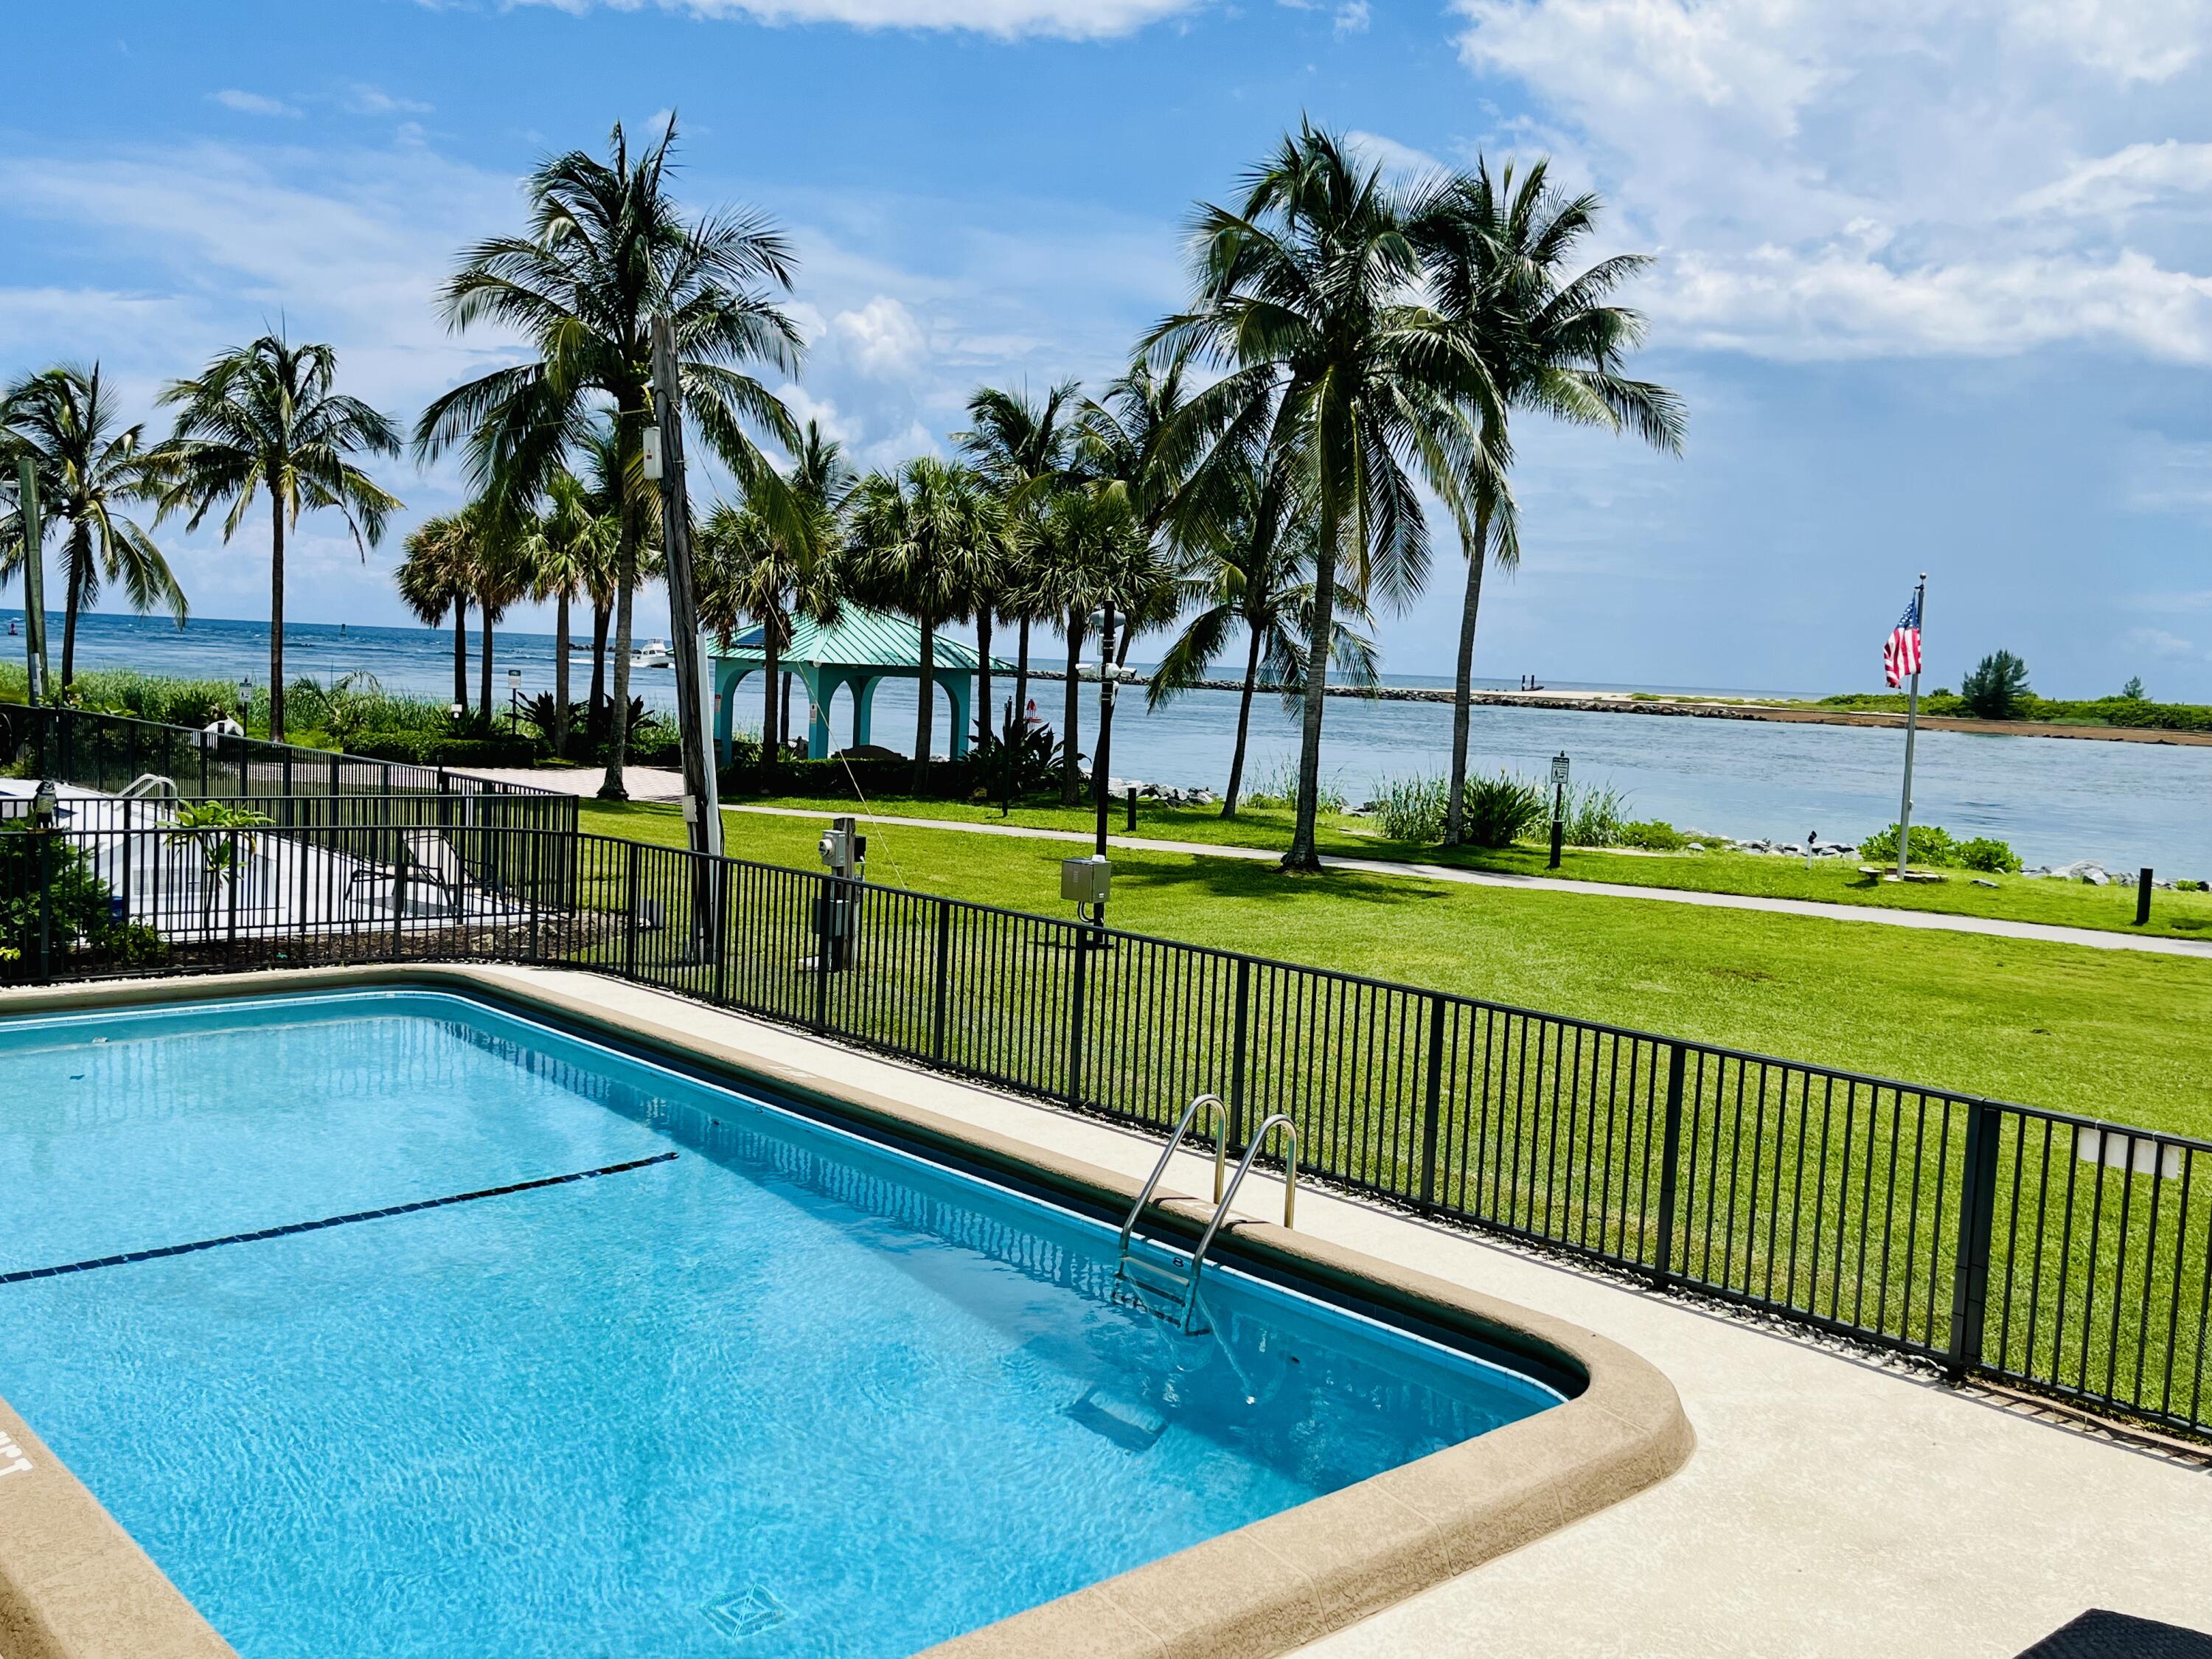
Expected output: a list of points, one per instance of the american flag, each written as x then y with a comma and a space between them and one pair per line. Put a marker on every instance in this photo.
1900, 656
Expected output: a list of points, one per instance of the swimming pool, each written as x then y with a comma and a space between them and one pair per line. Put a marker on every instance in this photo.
597, 1357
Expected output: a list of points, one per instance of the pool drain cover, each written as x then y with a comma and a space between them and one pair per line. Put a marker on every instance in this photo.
745, 1612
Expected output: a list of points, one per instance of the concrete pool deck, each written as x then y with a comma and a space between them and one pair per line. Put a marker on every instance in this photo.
1834, 1504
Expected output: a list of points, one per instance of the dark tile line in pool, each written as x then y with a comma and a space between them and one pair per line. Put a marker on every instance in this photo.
261, 1234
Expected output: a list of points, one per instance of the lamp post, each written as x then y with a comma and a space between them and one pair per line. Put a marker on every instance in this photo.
43, 810
245, 704
1559, 805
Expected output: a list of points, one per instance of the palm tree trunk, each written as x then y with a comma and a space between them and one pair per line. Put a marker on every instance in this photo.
68, 620
771, 722
626, 442
924, 690
460, 653
983, 673
484, 668
1070, 781
561, 676
600, 617
275, 618
1463, 681
1303, 853
1022, 680
1244, 728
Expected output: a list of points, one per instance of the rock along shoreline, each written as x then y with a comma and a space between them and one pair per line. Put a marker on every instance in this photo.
1614, 702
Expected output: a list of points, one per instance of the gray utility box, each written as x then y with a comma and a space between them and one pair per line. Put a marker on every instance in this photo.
1086, 881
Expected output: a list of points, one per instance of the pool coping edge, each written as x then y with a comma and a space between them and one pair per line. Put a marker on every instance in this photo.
1256, 1592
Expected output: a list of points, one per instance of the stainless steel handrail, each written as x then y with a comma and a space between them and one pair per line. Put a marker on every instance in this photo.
1220, 1120
1222, 1202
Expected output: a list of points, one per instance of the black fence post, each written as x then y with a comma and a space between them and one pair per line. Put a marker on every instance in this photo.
45, 906
1662, 1266
825, 910
2142, 897
1237, 1049
1079, 942
720, 991
1431, 1101
937, 1013
231, 869
629, 908
1977, 1203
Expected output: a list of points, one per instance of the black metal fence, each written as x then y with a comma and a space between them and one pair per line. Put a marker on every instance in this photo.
1995, 1239
110, 752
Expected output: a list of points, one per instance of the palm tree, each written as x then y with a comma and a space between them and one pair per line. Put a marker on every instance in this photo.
573, 540
500, 549
1131, 443
1255, 576
87, 471
1308, 300
1021, 447
608, 250
266, 417
916, 537
1090, 553
748, 570
1497, 254
434, 579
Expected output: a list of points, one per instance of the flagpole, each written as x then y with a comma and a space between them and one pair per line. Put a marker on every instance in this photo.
1911, 725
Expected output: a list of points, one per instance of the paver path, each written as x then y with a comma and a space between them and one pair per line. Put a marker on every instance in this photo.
2096, 939
649, 784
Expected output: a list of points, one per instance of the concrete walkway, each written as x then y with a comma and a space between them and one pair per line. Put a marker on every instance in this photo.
2095, 938
1834, 1505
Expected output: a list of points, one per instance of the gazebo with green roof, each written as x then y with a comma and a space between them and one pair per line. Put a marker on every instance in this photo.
861, 649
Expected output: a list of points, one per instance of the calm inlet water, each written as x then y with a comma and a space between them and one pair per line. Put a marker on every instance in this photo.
2054, 800
783, 1389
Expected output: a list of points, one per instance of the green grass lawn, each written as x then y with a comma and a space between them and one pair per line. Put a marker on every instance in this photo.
1831, 881
2119, 1034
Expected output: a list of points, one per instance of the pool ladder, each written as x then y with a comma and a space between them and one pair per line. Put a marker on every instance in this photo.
1178, 1278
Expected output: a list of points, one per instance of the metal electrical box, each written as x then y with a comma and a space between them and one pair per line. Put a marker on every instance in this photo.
1086, 881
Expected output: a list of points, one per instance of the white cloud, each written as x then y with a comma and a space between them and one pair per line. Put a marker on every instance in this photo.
1076, 20
2169, 477
363, 99
881, 337
1390, 154
1351, 18
251, 103
2126, 179
1853, 178
2157, 642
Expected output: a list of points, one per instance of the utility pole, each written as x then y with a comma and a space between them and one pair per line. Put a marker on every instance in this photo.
34, 581
702, 806
1912, 722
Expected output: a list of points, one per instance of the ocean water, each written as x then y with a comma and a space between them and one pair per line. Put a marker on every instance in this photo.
763, 1389
2054, 800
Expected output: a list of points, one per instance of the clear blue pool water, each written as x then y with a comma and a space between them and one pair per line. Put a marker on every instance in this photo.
788, 1393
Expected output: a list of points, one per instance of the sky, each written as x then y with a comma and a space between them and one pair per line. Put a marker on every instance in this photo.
1935, 279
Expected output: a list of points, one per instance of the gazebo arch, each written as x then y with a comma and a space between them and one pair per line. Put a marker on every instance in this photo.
861, 649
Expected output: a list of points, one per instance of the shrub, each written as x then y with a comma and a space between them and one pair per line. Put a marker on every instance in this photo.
443, 749
1593, 815
1276, 785
1497, 811
850, 779
1411, 809
1997, 688
1989, 854
82, 914
1653, 836
1931, 845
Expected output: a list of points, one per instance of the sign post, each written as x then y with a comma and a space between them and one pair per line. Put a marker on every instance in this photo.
1559, 805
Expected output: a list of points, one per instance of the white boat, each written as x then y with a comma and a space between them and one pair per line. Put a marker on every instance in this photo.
653, 654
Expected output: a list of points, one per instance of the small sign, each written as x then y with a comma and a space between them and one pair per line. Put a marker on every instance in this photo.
1560, 770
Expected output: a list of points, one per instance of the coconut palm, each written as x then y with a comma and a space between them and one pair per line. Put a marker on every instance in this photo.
608, 251
747, 570
915, 538
1089, 553
89, 470
1132, 443
434, 581
572, 541
267, 418
502, 541
1498, 253
1255, 577
1022, 447
1336, 371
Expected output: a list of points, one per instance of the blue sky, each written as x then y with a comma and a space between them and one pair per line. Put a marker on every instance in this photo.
1935, 279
